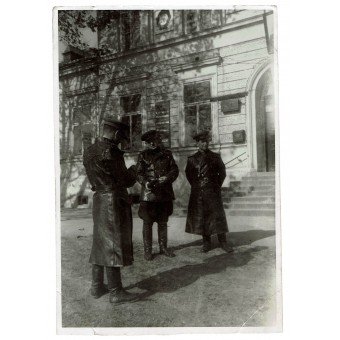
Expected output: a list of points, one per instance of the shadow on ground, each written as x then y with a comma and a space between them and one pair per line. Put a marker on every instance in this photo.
176, 278
237, 239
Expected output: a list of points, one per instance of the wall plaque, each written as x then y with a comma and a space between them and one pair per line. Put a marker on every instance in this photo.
239, 137
230, 105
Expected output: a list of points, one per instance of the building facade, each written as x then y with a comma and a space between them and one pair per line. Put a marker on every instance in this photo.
177, 71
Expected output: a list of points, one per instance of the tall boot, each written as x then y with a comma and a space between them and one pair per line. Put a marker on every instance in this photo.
97, 287
163, 240
222, 238
147, 239
206, 244
114, 282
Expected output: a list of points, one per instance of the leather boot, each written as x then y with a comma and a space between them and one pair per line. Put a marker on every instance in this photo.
206, 244
223, 243
97, 287
117, 293
147, 240
163, 240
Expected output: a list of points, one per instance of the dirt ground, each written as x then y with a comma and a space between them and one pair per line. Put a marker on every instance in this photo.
191, 290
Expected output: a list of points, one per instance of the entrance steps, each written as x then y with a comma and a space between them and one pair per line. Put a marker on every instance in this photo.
254, 195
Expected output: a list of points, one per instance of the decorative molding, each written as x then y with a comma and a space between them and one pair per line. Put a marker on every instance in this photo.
65, 70
81, 91
164, 20
255, 20
197, 64
130, 78
230, 96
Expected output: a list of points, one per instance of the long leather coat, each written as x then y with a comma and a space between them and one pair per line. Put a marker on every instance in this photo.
112, 219
151, 165
205, 172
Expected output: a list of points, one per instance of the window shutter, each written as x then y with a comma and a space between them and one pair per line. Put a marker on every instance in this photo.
216, 18
191, 21
204, 117
77, 140
162, 113
86, 135
126, 30
77, 115
135, 28
136, 132
205, 19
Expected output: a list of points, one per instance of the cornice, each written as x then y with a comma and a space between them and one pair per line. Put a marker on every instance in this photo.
183, 39
77, 66
197, 63
81, 91
86, 65
130, 78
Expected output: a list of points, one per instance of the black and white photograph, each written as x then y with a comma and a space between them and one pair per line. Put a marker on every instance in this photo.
168, 191
170, 171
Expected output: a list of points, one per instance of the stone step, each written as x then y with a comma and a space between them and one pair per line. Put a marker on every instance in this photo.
251, 206
257, 188
248, 212
262, 174
249, 192
264, 199
263, 193
252, 181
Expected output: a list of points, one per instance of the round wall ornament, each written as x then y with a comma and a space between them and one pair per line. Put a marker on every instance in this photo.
163, 19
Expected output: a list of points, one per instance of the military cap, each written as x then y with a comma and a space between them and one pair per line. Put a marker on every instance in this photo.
115, 123
203, 135
149, 135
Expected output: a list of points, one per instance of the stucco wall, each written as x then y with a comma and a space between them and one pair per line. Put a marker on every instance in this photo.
156, 74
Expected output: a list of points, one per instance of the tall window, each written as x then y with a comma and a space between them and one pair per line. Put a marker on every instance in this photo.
197, 109
130, 107
82, 128
202, 20
130, 29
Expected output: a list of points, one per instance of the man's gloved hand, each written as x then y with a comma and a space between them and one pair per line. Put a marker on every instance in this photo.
161, 179
151, 185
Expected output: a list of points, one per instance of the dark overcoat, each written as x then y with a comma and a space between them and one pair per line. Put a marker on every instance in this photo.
112, 219
205, 172
151, 165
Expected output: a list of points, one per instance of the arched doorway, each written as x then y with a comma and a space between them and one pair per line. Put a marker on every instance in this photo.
261, 121
265, 123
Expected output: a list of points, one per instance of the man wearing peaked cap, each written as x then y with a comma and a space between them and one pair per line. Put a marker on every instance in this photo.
203, 135
205, 172
112, 219
149, 135
115, 123
156, 171
111, 124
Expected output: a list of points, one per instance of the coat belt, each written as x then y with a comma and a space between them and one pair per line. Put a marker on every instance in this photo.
105, 188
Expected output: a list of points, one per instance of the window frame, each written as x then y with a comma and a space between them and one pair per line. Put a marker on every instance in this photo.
192, 76
199, 20
145, 19
140, 112
79, 124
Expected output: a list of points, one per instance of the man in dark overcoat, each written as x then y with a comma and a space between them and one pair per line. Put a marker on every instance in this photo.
112, 219
156, 171
205, 172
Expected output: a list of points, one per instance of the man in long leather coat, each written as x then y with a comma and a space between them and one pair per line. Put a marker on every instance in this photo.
156, 171
205, 172
112, 231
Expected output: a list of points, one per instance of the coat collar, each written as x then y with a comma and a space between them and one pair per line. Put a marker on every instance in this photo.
112, 145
